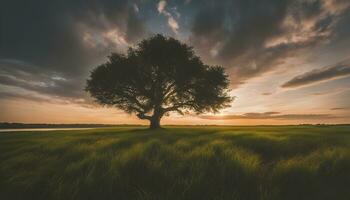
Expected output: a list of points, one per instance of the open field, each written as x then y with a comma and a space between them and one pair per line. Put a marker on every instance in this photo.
261, 162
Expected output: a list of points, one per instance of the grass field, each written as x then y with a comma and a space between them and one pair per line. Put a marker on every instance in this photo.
261, 162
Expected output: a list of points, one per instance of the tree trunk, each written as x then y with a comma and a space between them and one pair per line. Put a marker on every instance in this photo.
155, 118
155, 123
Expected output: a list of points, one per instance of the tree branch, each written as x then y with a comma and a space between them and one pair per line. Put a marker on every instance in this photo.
176, 107
169, 91
143, 116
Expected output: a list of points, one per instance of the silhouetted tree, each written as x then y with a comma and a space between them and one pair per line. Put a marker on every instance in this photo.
159, 76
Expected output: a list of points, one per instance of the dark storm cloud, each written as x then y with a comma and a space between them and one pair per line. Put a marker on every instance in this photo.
270, 115
62, 41
253, 37
315, 76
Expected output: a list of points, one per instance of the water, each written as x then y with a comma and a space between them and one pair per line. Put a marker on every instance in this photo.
41, 129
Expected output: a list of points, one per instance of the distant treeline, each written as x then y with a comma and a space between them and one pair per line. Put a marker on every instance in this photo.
6, 125
9, 125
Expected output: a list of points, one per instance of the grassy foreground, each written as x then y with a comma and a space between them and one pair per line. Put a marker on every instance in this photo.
262, 162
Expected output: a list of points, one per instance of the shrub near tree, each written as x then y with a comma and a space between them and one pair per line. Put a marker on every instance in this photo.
159, 76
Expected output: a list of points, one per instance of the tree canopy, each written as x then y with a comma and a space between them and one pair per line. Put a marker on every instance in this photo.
158, 76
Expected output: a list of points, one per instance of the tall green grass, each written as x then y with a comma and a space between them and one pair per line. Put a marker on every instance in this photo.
262, 162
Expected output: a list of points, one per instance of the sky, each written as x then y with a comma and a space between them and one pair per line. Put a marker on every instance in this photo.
288, 60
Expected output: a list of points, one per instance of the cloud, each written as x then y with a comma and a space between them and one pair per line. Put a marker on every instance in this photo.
33, 78
172, 22
30, 97
54, 31
252, 38
136, 8
86, 103
340, 108
332, 91
161, 6
50, 47
338, 70
270, 115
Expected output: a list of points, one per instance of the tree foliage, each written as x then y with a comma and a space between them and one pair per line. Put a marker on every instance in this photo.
159, 76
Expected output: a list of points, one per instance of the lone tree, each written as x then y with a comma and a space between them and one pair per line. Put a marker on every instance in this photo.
159, 76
